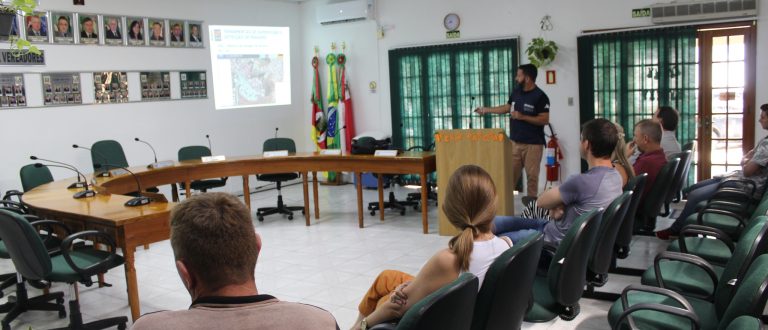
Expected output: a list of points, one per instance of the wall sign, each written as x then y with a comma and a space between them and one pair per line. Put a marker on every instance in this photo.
7, 57
642, 12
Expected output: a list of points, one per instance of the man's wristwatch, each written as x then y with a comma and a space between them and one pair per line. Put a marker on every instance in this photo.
364, 324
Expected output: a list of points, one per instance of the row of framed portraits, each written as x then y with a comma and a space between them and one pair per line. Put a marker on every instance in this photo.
97, 29
66, 88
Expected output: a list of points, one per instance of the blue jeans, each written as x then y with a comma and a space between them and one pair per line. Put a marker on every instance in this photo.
700, 192
517, 228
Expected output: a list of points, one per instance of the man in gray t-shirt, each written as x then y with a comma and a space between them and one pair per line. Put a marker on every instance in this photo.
581, 193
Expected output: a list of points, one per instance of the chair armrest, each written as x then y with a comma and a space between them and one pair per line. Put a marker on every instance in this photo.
416, 148
48, 226
700, 218
739, 184
687, 258
96, 268
12, 193
7, 203
384, 326
730, 194
686, 311
704, 230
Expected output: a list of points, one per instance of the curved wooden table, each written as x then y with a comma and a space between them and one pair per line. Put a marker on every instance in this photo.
136, 226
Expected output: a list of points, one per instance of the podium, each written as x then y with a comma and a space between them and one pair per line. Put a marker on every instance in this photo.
487, 148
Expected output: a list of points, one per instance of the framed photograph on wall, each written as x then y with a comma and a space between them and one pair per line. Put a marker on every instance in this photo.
12, 91
137, 31
155, 85
61, 88
9, 26
63, 30
36, 27
195, 34
110, 87
89, 28
193, 84
156, 30
113, 30
178, 33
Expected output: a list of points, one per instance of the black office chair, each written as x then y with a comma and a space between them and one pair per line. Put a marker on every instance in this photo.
624, 239
32, 261
650, 207
392, 202
276, 144
196, 153
431, 185
678, 189
603, 254
681, 172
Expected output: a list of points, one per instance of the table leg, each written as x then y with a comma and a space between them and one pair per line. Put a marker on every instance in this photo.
359, 178
306, 197
247, 192
189, 188
381, 196
424, 206
314, 191
174, 193
131, 282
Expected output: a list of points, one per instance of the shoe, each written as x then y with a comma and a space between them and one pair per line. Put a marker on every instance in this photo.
665, 235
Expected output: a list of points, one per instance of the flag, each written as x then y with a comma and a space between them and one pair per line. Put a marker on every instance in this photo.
333, 103
319, 122
345, 106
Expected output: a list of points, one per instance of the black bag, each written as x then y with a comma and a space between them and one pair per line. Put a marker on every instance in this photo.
366, 145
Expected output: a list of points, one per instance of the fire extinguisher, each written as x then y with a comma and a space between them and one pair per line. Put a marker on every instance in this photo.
554, 155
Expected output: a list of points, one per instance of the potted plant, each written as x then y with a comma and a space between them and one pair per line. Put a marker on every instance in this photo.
19, 46
541, 52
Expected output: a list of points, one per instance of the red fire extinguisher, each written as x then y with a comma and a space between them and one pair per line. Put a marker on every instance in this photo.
554, 155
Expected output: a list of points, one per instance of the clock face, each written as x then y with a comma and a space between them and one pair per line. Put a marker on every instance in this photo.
451, 22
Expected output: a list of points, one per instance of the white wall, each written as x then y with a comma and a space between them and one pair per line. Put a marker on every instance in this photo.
168, 125
409, 23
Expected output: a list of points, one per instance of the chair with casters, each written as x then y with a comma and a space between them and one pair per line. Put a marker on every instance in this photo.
445, 309
111, 152
276, 144
196, 153
33, 262
681, 172
557, 292
650, 206
602, 257
392, 202
501, 303
431, 185
624, 238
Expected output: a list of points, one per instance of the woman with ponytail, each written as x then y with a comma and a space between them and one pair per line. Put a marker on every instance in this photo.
470, 206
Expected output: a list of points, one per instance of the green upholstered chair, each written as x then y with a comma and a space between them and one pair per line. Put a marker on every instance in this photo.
745, 323
107, 152
196, 153
32, 176
690, 275
678, 188
276, 144
624, 238
502, 301
603, 254
449, 308
725, 216
711, 244
645, 307
558, 293
33, 262
681, 172
645, 219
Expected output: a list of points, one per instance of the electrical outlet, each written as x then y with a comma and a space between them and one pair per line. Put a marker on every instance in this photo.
570, 101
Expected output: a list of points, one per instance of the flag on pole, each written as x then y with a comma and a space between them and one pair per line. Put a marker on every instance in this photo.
345, 106
319, 122
332, 139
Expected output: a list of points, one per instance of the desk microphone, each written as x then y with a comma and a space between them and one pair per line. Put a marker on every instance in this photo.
80, 194
149, 145
276, 129
471, 110
210, 148
78, 184
136, 201
100, 155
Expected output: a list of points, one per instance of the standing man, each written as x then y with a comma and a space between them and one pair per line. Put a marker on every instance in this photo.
529, 109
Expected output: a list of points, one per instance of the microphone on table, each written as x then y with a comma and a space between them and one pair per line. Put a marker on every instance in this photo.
471, 110
276, 129
80, 194
78, 184
100, 155
136, 201
210, 148
149, 145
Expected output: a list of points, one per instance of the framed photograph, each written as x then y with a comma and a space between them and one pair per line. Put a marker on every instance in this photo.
63, 31
178, 33
12, 91
137, 32
9, 26
61, 88
157, 35
195, 35
89, 28
155, 85
113, 30
193, 84
36, 26
110, 87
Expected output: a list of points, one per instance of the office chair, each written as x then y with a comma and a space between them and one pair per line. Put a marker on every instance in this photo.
431, 185
681, 172
275, 144
650, 207
196, 153
32, 176
602, 257
32, 261
392, 202
111, 152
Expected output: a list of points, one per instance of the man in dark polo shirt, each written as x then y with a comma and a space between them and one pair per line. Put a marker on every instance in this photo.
528, 107
647, 139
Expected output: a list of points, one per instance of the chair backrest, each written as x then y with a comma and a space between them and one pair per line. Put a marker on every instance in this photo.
32, 176
752, 244
502, 300
193, 153
680, 174
29, 255
751, 295
568, 270
653, 200
613, 217
274, 144
745, 322
107, 152
636, 185
451, 307
762, 208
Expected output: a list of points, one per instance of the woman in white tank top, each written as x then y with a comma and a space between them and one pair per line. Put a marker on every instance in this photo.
470, 206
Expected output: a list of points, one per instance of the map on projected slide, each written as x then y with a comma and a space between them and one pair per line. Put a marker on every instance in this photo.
251, 66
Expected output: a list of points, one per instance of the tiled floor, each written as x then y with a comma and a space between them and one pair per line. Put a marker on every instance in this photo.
329, 264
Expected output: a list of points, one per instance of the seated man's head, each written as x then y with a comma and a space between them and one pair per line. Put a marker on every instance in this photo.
667, 117
647, 135
214, 243
764, 116
598, 139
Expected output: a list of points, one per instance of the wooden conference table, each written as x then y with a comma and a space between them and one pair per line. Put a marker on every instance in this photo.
136, 226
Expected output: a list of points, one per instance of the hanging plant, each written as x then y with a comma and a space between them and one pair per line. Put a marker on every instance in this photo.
20, 46
541, 52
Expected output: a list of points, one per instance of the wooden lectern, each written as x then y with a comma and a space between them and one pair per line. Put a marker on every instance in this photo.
487, 148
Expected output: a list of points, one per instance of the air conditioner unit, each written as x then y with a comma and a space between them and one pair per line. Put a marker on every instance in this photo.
686, 11
344, 12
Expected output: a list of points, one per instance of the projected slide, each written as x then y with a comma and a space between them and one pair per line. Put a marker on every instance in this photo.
251, 66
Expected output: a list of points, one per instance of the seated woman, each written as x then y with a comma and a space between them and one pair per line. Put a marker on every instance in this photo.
470, 205
619, 158
753, 167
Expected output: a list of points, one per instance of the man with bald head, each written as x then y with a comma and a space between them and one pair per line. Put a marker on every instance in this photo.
647, 140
